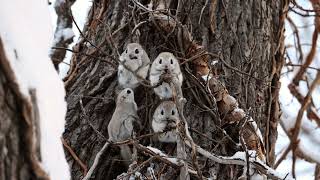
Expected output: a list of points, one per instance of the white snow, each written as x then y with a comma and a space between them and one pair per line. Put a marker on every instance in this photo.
252, 157
242, 155
63, 34
160, 153
239, 110
214, 63
206, 77
79, 10
26, 29
255, 126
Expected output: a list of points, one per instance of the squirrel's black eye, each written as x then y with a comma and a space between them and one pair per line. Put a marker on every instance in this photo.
136, 51
171, 61
162, 113
126, 50
160, 61
128, 91
172, 112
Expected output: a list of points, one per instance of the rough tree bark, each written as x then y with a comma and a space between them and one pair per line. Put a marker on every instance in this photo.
247, 35
19, 128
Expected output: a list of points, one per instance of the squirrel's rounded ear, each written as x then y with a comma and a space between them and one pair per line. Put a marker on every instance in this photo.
162, 112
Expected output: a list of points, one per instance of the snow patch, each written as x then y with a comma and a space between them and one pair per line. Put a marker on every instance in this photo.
160, 153
80, 11
63, 34
206, 77
242, 155
27, 36
256, 128
214, 63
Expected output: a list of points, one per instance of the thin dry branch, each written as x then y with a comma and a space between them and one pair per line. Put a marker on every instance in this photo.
96, 161
240, 159
311, 112
312, 52
75, 157
296, 32
304, 101
297, 126
107, 144
309, 59
88, 121
300, 153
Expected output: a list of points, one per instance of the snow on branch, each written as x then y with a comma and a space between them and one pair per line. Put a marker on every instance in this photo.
63, 35
239, 158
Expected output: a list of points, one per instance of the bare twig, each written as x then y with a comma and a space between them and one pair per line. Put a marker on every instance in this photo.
296, 32
297, 126
83, 36
183, 127
300, 65
96, 161
239, 159
85, 54
88, 121
309, 59
75, 157
204, 6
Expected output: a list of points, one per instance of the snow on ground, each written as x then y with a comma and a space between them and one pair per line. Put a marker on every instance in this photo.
27, 34
309, 134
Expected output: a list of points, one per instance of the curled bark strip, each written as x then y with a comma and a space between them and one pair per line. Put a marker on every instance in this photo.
230, 113
213, 20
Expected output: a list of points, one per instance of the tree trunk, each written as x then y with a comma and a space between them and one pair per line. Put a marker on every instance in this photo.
19, 128
246, 35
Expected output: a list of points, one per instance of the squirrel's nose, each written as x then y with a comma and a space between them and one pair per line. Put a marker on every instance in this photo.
131, 56
170, 120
